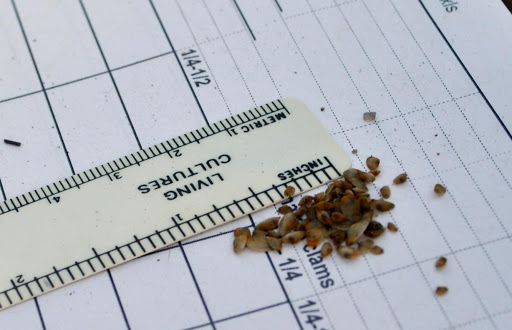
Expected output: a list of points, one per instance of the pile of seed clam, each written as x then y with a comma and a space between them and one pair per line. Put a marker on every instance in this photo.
343, 213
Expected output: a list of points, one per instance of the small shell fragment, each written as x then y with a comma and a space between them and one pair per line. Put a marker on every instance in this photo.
441, 290
268, 224
372, 163
400, 178
392, 227
385, 192
326, 250
439, 189
441, 262
376, 250
289, 191
369, 116
287, 223
283, 209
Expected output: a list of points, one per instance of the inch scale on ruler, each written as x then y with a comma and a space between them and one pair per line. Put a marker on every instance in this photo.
113, 213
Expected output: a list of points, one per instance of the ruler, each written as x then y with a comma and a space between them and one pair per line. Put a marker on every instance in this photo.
134, 205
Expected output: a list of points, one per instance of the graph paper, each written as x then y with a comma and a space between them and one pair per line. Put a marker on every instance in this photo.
83, 82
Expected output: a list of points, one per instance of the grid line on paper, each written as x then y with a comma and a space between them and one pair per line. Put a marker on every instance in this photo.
450, 93
395, 317
500, 276
110, 73
177, 59
42, 84
465, 69
243, 18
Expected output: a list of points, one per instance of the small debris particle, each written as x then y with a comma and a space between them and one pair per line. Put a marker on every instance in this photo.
369, 116
441, 290
13, 143
326, 250
392, 227
400, 178
440, 262
354, 151
385, 192
439, 189
289, 191
372, 163
322, 109
376, 250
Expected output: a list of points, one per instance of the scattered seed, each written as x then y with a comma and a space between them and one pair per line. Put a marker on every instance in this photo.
385, 192
284, 209
374, 229
326, 250
13, 143
441, 290
439, 189
383, 205
369, 116
258, 241
239, 243
345, 252
400, 179
315, 236
354, 151
372, 163
268, 224
288, 223
275, 243
375, 172
242, 231
289, 191
306, 200
358, 228
392, 227
440, 262
376, 250
293, 237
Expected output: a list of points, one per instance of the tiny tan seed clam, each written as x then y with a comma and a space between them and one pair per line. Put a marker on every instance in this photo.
372, 163
289, 191
287, 223
392, 227
326, 250
376, 250
268, 224
439, 189
283, 209
293, 237
385, 192
441, 262
441, 290
401, 178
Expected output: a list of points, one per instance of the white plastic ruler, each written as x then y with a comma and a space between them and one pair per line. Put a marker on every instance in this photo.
137, 204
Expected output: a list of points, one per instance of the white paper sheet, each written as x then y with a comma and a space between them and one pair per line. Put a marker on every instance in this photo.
84, 82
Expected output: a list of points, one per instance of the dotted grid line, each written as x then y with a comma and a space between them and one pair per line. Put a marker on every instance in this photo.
320, 9
350, 143
406, 113
410, 265
457, 155
412, 183
450, 93
476, 320
467, 164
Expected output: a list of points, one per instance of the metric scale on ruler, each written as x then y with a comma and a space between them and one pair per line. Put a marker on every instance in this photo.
113, 213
